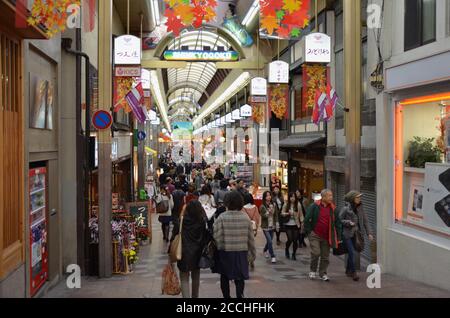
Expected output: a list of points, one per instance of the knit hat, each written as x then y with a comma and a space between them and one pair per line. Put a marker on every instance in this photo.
352, 195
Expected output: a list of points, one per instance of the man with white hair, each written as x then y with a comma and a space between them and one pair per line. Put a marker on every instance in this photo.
322, 226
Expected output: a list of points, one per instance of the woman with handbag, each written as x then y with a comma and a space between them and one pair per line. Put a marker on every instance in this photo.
194, 236
164, 206
292, 216
353, 218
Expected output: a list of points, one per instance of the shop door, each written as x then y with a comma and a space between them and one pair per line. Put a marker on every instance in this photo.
11, 158
54, 241
368, 188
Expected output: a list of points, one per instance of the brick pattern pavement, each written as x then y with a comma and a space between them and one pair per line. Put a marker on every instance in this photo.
285, 279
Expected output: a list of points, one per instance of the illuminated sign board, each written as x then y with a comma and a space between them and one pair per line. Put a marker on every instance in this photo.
210, 56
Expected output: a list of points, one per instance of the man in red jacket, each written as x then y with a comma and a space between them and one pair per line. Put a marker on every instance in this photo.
322, 227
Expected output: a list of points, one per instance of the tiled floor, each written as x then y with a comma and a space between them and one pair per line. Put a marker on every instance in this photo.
286, 279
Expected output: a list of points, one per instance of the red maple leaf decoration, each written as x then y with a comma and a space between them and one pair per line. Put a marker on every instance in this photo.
284, 32
272, 5
296, 19
174, 24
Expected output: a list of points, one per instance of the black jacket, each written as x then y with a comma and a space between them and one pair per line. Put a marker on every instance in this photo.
178, 200
194, 237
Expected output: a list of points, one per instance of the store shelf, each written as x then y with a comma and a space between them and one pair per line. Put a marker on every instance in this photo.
37, 210
37, 191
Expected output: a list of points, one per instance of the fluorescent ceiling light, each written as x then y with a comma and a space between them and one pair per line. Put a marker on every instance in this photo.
155, 12
235, 87
251, 13
157, 94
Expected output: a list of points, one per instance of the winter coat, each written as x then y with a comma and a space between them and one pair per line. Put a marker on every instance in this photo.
194, 236
264, 212
312, 216
298, 215
348, 215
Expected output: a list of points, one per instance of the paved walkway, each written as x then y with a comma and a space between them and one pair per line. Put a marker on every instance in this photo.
286, 279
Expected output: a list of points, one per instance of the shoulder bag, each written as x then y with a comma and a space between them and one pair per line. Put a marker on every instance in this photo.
175, 251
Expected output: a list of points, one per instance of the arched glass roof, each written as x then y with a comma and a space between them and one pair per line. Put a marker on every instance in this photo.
198, 73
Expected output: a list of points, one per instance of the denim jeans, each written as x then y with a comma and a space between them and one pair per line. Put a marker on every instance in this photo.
269, 238
351, 255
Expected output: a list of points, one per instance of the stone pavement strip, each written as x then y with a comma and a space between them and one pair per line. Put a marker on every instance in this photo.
286, 279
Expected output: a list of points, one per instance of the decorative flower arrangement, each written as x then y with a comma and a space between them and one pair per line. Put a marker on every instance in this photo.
131, 255
143, 233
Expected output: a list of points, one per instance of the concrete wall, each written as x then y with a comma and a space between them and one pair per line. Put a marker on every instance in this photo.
411, 253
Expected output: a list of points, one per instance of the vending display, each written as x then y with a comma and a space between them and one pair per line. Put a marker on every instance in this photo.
38, 229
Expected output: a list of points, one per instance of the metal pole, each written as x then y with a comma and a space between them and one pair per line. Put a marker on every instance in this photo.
104, 136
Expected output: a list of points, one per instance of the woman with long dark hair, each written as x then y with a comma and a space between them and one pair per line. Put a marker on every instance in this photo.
293, 215
269, 220
278, 201
194, 236
300, 194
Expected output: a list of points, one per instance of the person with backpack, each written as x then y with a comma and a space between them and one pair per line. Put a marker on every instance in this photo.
194, 237
165, 217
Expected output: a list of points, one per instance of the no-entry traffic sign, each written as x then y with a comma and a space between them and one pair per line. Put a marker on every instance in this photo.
102, 120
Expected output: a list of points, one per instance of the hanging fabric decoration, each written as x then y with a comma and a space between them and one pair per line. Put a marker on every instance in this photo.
314, 77
283, 18
279, 100
320, 102
122, 85
182, 14
258, 112
53, 14
135, 99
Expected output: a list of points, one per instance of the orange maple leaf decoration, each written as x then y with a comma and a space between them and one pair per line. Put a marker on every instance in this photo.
291, 5
184, 12
270, 23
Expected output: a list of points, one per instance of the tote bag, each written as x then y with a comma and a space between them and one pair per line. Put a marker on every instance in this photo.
175, 246
170, 284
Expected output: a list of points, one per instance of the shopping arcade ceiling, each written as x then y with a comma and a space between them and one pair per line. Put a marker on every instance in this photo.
188, 88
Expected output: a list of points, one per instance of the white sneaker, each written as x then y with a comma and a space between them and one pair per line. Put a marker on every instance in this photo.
266, 255
274, 260
312, 275
325, 278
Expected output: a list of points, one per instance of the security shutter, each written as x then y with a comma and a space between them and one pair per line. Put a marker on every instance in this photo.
368, 188
339, 191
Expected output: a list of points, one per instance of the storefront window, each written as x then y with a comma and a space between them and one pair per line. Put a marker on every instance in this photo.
422, 159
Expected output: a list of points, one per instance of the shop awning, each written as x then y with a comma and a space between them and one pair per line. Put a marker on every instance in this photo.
150, 151
302, 141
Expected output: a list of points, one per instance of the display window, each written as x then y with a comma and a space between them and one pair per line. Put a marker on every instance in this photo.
422, 163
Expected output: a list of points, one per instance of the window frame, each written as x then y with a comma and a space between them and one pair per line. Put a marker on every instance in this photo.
421, 41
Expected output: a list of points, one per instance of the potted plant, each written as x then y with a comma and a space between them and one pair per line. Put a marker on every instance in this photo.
143, 234
421, 151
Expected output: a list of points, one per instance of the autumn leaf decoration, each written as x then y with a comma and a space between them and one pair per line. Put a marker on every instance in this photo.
52, 14
284, 18
182, 14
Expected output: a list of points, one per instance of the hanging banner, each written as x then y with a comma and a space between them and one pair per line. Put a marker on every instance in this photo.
314, 77
259, 112
127, 50
182, 14
279, 100
122, 85
283, 19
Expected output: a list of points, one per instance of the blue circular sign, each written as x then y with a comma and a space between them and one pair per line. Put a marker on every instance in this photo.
102, 120
142, 135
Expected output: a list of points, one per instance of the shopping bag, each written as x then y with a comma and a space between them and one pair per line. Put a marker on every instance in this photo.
207, 258
170, 284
